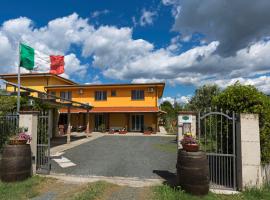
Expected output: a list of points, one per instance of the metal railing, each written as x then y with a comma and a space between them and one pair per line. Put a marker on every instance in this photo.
9, 124
43, 144
217, 137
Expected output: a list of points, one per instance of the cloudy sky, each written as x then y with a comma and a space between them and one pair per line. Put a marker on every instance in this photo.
185, 43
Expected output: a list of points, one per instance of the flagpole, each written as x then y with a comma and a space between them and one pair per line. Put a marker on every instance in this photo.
19, 82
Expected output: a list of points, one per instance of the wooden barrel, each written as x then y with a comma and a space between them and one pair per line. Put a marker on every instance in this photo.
15, 163
193, 172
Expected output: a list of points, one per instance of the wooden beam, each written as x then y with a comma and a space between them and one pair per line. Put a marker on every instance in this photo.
69, 127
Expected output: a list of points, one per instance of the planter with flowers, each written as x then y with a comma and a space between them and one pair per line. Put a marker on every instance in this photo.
16, 162
189, 143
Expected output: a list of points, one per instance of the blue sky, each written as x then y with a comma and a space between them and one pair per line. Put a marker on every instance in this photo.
185, 43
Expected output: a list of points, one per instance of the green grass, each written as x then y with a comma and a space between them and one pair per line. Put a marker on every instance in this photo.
20, 190
93, 191
165, 192
169, 147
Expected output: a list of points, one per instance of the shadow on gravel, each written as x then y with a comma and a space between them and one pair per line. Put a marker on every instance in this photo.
169, 177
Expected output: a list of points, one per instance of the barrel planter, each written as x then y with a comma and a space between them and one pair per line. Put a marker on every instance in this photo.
193, 172
16, 163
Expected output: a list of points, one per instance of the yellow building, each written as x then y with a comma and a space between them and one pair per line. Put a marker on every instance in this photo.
115, 106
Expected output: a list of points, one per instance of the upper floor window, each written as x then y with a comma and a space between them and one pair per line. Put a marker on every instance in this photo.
137, 94
66, 95
113, 93
100, 95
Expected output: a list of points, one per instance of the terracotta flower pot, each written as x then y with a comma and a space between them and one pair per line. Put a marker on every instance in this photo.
191, 147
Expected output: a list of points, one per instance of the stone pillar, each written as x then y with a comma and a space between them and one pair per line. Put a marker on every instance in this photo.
248, 151
29, 119
187, 122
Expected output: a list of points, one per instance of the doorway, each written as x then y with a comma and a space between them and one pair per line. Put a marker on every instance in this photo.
137, 122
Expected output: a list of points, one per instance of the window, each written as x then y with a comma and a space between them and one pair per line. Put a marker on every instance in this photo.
52, 93
100, 95
66, 95
137, 94
113, 93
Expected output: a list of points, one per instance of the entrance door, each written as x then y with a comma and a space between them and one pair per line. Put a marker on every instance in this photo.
100, 122
137, 122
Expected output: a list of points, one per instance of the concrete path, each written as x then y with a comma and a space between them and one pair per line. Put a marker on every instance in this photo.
130, 156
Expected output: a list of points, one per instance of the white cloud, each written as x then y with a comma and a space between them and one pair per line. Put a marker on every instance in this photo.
114, 51
179, 99
147, 17
97, 13
235, 24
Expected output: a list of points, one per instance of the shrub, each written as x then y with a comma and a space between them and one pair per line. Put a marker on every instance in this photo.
247, 99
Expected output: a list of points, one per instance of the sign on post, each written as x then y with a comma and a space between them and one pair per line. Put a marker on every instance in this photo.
182, 119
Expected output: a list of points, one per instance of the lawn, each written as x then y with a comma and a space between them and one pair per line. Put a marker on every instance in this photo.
165, 192
20, 190
168, 147
43, 187
40, 186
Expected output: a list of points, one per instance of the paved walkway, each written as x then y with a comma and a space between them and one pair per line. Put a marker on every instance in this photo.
117, 156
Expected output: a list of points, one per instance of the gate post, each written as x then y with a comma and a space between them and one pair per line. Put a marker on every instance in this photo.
187, 122
29, 119
248, 151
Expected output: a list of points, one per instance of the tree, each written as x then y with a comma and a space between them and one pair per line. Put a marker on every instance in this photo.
247, 99
203, 97
7, 104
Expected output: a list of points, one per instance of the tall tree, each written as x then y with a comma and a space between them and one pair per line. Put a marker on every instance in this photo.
203, 97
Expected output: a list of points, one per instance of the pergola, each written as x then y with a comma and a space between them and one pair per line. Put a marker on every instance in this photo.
56, 101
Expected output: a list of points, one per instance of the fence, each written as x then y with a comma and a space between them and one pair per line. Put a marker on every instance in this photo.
216, 133
8, 126
43, 144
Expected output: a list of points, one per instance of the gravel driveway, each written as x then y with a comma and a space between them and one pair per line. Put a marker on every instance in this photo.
124, 156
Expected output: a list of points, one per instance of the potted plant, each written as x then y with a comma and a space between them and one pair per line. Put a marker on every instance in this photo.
16, 162
123, 131
148, 131
190, 143
21, 138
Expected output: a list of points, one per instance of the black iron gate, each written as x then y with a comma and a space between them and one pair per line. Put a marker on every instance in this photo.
217, 137
9, 124
43, 144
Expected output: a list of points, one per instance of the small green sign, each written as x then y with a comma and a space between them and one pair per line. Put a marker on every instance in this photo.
185, 117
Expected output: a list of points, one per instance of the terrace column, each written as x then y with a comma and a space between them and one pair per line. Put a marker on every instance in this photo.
69, 127
87, 123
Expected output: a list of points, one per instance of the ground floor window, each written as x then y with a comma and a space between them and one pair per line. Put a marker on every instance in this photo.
137, 122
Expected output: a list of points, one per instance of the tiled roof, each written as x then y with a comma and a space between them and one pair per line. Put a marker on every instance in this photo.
113, 110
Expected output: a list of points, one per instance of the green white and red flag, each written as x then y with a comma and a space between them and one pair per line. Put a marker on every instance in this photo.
32, 59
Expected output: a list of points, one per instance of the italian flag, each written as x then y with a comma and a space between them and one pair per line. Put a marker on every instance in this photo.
32, 59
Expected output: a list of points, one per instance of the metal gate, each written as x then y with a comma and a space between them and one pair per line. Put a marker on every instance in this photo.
9, 124
217, 137
43, 144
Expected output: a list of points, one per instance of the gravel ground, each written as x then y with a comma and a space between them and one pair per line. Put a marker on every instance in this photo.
128, 156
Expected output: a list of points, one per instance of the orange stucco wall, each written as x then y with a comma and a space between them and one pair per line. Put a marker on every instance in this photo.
36, 83
122, 98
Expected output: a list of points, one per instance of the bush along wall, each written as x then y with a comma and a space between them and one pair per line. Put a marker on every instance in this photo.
247, 99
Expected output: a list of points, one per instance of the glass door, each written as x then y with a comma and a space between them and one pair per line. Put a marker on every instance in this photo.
137, 122
99, 122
